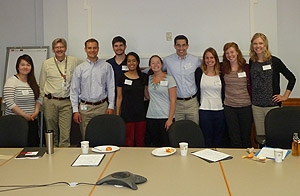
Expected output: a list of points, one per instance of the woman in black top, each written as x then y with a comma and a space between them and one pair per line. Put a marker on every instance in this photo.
130, 101
265, 72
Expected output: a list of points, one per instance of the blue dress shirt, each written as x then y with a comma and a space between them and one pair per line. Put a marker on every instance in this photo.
92, 82
183, 71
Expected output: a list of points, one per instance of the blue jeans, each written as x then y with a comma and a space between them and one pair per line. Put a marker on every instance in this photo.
213, 127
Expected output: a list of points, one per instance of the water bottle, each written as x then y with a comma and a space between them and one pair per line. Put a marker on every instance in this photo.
49, 141
295, 145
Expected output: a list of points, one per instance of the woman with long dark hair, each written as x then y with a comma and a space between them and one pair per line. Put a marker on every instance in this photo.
21, 96
131, 87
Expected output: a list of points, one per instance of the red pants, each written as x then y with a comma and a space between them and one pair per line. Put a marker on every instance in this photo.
135, 133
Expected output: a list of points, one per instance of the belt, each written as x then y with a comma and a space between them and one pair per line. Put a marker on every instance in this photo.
187, 98
94, 103
49, 96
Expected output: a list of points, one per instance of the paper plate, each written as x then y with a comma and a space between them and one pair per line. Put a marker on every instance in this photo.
105, 149
164, 151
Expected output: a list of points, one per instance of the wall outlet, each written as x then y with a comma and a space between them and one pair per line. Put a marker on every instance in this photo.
168, 36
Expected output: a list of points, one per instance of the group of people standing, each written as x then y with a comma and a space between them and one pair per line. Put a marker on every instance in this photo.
219, 96
233, 93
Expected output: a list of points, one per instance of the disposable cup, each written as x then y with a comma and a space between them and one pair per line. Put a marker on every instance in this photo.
278, 154
183, 148
85, 147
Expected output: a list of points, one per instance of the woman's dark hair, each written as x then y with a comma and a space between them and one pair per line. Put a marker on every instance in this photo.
136, 56
150, 72
30, 77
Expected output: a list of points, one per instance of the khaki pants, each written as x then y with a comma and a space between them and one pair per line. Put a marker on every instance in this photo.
187, 110
58, 117
259, 114
87, 115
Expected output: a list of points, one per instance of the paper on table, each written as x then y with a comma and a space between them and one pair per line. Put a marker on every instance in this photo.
88, 160
212, 155
269, 153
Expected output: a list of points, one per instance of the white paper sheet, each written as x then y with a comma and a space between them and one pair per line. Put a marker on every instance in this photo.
88, 160
269, 153
211, 155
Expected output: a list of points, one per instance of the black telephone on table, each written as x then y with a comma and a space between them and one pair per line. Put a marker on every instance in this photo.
123, 178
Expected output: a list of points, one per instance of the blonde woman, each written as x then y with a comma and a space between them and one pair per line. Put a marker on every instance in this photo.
265, 72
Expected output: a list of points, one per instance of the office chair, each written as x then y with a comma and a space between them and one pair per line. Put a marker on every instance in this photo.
280, 124
13, 131
186, 131
106, 129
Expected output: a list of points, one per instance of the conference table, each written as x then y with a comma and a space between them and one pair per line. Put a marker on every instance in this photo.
168, 175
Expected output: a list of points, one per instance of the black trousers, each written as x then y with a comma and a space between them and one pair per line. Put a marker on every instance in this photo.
239, 123
156, 134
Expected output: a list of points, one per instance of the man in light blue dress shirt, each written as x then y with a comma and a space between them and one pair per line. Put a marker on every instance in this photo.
92, 88
182, 66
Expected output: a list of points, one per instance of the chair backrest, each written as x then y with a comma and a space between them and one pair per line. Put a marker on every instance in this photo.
106, 130
280, 124
13, 131
186, 131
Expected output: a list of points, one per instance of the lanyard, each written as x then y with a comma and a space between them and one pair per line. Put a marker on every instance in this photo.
62, 75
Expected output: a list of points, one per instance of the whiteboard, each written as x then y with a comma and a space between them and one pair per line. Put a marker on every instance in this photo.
38, 55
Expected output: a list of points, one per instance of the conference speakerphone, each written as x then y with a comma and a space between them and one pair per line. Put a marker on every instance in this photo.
123, 178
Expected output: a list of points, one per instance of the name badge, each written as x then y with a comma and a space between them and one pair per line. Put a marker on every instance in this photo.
25, 92
124, 68
163, 83
65, 86
242, 74
218, 83
267, 67
187, 66
83, 107
128, 82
